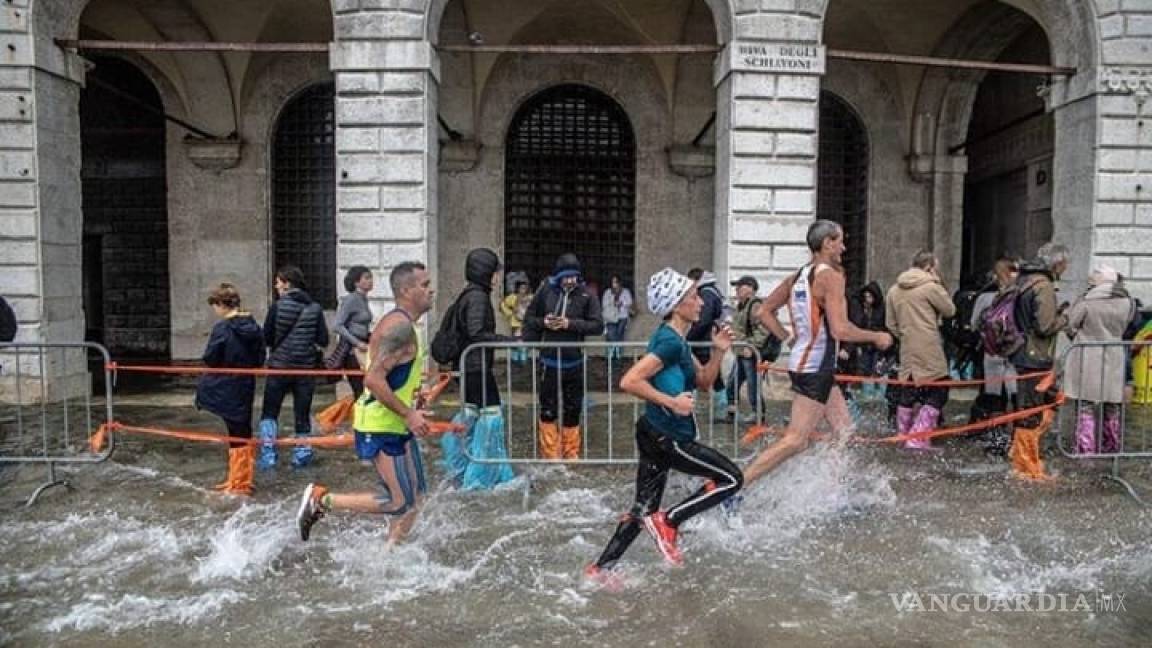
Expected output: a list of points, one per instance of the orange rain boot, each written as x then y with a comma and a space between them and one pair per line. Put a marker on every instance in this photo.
549, 441
239, 480
570, 441
245, 466
1025, 453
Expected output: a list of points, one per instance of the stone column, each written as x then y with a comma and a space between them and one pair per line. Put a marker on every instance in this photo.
387, 76
40, 219
766, 157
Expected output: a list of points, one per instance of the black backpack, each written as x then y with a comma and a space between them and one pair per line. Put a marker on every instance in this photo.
450, 339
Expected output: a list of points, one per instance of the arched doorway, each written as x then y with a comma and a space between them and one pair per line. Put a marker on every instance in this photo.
125, 205
1010, 144
570, 184
842, 190
304, 190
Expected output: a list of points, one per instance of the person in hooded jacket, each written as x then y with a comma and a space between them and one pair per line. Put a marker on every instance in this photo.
1094, 375
714, 312
865, 310
294, 331
236, 342
915, 306
562, 311
483, 417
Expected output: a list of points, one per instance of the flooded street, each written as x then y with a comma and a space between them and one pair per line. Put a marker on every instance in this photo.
143, 553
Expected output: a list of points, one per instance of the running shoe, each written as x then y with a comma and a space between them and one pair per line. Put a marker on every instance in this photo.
311, 510
665, 536
603, 577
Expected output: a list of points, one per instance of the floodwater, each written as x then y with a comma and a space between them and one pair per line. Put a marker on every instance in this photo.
143, 553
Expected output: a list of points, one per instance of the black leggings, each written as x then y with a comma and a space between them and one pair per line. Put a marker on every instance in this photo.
658, 455
570, 399
241, 429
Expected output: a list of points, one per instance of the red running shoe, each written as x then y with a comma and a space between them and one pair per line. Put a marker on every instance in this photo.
665, 536
603, 577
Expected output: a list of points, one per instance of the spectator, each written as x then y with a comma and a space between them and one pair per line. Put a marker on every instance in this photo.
915, 306
1040, 320
514, 307
1094, 375
353, 326
294, 331
8, 323
616, 306
235, 343
748, 334
562, 311
483, 416
866, 311
999, 393
700, 333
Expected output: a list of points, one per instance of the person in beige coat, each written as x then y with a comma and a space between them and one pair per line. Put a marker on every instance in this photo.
915, 306
1094, 375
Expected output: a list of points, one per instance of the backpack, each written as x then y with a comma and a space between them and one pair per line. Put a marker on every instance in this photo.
770, 350
1000, 330
449, 341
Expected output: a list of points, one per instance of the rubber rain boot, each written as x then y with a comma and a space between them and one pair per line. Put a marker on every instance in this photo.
269, 430
570, 442
1086, 432
1112, 441
549, 441
926, 419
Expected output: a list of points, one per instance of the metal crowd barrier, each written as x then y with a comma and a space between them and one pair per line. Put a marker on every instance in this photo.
44, 423
1128, 432
607, 415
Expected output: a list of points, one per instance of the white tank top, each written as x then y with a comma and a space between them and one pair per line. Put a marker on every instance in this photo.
813, 349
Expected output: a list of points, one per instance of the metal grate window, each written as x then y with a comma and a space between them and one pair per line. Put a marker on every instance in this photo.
570, 184
304, 190
843, 187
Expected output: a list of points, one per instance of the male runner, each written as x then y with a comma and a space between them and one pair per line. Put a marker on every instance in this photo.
386, 416
816, 303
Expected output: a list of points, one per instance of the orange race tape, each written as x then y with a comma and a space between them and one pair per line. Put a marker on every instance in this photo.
767, 366
756, 431
435, 428
235, 371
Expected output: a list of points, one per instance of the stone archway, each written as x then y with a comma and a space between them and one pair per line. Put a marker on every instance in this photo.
570, 184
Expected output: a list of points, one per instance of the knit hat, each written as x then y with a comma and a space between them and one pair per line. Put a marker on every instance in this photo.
665, 290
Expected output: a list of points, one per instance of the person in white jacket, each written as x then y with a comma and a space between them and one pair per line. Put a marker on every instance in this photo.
616, 308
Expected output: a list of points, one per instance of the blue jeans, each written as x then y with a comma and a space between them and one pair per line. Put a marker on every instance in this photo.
614, 332
745, 372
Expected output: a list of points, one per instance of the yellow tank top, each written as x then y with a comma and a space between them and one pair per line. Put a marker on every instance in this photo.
373, 417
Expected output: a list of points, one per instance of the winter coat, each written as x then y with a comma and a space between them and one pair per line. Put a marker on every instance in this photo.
8, 324
581, 309
869, 320
915, 306
616, 308
475, 310
236, 342
293, 329
711, 312
513, 310
746, 327
1096, 373
1036, 312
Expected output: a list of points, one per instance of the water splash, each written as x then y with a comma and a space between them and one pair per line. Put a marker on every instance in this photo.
135, 611
250, 539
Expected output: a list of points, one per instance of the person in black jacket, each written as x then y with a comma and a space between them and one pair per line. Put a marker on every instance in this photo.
482, 416
8, 323
294, 331
866, 311
562, 311
711, 314
236, 342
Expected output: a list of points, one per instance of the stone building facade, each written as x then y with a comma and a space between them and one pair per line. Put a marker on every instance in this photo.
717, 159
